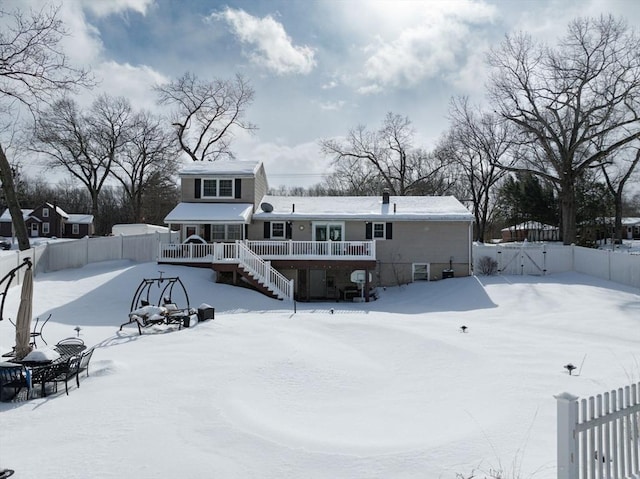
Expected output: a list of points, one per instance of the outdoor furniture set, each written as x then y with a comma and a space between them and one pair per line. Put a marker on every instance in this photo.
144, 313
62, 363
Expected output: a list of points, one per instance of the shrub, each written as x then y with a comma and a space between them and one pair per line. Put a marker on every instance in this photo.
487, 266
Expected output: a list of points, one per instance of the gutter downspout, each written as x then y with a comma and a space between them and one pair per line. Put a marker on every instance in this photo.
470, 247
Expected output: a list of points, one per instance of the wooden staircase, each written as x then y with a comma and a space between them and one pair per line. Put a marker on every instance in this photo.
260, 274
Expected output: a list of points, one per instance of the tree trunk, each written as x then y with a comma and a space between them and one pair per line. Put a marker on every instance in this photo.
19, 226
618, 218
568, 212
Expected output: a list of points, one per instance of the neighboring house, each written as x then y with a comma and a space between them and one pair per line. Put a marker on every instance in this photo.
48, 221
314, 247
530, 231
630, 228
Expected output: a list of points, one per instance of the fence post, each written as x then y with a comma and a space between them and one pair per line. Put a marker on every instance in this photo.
567, 447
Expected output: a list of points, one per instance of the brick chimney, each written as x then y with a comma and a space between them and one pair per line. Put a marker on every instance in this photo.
385, 197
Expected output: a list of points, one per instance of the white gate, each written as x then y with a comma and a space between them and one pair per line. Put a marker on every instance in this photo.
522, 259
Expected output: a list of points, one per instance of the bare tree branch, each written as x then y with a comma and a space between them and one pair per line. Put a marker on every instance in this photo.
207, 113
33, 70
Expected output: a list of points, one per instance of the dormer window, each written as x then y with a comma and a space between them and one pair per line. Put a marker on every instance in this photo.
214, 188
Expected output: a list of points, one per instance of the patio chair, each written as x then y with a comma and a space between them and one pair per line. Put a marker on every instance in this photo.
85, 358
15, 377
36, 333
64, 371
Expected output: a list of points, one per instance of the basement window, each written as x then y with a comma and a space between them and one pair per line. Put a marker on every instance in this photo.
421, 271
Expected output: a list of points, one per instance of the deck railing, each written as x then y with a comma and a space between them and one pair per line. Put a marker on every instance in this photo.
314, 249
270, 250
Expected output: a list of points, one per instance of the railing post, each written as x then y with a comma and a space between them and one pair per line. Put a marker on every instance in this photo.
567, 447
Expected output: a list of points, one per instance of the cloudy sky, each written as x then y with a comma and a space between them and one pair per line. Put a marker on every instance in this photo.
318, 67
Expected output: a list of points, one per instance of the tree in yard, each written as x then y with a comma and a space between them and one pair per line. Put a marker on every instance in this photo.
617, 174
207, 113
595, 207
478, 142
85, 144
563, 100
388, 156
33, 70
525, 197
148, 159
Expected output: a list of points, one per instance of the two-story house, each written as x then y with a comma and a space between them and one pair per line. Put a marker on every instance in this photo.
48, 221
314, 247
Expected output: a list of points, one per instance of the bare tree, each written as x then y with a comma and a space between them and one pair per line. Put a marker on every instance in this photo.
206, 113
353, 177
149, 158
617, 174
388, 153
85, 144
478, 142
563, 99
33, 70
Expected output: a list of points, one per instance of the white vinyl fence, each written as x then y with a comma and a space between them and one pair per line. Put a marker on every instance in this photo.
58, 255
545, 258
598, 436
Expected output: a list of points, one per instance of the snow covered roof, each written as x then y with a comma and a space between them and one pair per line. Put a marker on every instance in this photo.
235, 168
59, 210
630, 221
6, 215
406, 208
80, 219
210, 212
530, 225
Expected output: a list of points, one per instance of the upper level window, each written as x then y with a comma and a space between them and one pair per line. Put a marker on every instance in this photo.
45, 212
379, 230
217, 188
209, 188
225, 188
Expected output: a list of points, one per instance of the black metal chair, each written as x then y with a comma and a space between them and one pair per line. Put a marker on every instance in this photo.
15, 377
64, 372
36, 333
85, 358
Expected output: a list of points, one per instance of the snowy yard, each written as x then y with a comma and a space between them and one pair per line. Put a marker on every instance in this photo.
388, 389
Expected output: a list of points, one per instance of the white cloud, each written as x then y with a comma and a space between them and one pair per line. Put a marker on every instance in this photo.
415, 40
103, 8
330, 105
129, 81
272, 47
329, 85
301, 164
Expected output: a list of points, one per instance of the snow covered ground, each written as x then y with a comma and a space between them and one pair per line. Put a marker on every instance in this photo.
388, 389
